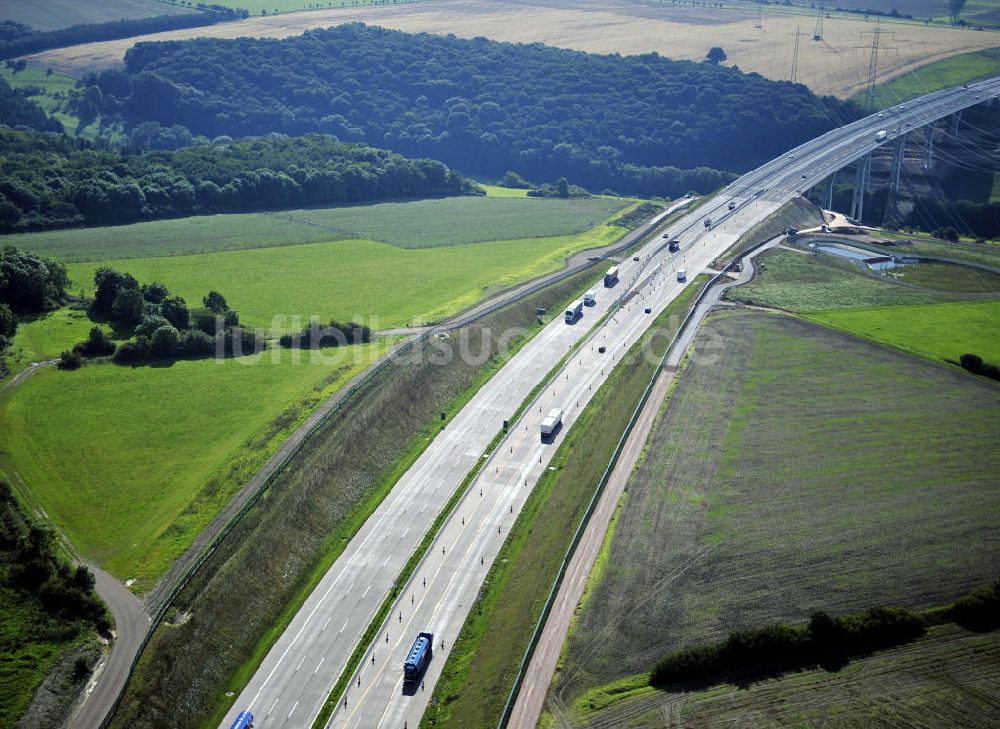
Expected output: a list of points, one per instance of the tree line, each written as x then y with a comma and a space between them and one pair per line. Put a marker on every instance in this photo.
635, 124
826, 640
18, 39
29, 564
49, 181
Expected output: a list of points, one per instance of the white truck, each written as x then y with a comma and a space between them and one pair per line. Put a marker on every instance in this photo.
682, 275
574, 310
551, 423
590, 298
880, 135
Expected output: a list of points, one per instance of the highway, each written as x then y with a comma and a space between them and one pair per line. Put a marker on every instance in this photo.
296, 676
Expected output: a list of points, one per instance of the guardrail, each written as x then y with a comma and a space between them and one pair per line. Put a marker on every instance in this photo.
599, 490
462, 320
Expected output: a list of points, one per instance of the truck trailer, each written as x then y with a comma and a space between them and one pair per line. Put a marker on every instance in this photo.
611, 277
880, 135
418, 657
574, 310
590, 298
551, 423
243, 721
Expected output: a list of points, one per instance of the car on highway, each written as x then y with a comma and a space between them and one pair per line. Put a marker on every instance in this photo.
602, 349
635, 258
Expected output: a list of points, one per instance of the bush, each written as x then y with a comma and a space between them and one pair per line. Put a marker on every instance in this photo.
163, 342
979, 611
333, 335
98, 345
129, 353
69, 361
974, 364
783, 647
8, 322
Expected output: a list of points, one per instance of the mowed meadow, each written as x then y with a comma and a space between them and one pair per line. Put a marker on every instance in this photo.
132, 462
390, 264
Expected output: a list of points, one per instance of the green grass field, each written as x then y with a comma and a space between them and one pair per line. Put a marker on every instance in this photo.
937, 331
414, 224
133, 462
480, 669
793, 469
55, 88
938, 75
948, 678
816, 282
384, 285
46, 337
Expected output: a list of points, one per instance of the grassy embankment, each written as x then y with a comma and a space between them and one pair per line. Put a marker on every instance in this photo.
938, 75
252, 585
32, 644
806, 283
481, 667
800, 470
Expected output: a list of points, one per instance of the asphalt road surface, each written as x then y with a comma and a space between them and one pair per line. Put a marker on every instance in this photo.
296, 676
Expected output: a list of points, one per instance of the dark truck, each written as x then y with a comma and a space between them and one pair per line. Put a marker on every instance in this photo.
418, 657
674, 245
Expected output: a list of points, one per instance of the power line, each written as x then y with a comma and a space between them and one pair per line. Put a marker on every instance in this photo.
818, 32
795, 57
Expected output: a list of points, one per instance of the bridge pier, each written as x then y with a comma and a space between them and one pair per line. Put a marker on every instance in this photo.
955, 119
829, 190
862, 176
929, 145
897, 161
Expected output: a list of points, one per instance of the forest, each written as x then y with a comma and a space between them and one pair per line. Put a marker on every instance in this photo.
638, 124
49, 180
17, 39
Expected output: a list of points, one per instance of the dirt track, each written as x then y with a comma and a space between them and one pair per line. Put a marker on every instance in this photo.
836, 65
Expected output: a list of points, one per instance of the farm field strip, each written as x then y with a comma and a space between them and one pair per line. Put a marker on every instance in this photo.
381, 285
838, 65
794, 469
55, 14
410, 224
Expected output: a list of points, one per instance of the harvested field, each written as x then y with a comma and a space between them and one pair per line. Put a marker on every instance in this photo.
836, 65
950, 678
55, 14
794, 469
